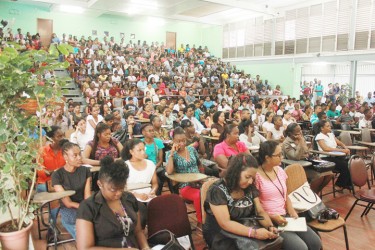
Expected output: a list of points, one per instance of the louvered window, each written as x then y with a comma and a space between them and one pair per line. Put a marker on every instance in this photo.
330, 26
279, 36
362, 25
343, 24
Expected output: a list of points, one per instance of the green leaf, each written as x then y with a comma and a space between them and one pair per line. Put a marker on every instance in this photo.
63, 50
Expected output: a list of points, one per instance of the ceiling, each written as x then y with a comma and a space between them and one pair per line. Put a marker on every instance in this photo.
216, 12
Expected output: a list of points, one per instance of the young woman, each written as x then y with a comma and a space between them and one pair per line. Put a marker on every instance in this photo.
232, 198
76, 114
250, 137
159, 132
229, 145
217, 128
102, 145
75, 177
270, 180
185, 159
147, 112
281, 110
105, 110
328, 142
110, 219
167, 118
141, 170
277, 132
80, 136
288, 119
268, 125
295, 148
93, 119
224, 106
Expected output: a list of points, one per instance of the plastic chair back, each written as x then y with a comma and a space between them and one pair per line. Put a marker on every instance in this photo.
168, 212
346, 139
366, 135
296, 177
358, 171
204, 190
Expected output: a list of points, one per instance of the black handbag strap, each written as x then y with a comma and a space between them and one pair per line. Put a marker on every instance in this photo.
295, 194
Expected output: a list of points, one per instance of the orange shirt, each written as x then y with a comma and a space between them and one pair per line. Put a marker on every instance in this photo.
51, 161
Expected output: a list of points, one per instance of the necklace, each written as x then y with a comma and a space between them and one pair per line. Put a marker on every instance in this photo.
282, 192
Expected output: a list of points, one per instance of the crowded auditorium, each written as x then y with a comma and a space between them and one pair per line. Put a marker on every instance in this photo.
136, 116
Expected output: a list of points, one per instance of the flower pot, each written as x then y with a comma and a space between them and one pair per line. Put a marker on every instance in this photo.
30, 106
18, 240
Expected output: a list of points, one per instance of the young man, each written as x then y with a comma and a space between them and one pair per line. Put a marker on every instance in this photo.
189, 114
314, 117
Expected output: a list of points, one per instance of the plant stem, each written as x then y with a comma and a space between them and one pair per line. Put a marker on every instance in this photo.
11, 217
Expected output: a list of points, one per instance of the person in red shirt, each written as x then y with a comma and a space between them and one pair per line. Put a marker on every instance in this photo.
52, 158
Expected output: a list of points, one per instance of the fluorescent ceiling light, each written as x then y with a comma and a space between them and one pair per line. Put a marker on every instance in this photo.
155, 21
71, 9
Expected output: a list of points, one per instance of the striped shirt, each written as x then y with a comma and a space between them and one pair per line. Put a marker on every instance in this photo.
270, 197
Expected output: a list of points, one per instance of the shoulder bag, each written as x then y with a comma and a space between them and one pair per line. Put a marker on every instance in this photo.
166, 238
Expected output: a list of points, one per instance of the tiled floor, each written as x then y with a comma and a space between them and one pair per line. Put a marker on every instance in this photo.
361, 231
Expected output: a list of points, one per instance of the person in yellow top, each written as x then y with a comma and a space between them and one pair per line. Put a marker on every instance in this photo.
181, 49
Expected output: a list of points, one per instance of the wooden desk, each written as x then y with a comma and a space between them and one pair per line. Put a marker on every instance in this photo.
137, 136
354, 147
333, 153
187, 177
370, 144
369, 129
135, 186
253, 148
45, 197
210, 137
352, 132
302, 163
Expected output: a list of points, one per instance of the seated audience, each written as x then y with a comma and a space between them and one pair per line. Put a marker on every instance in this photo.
80, 136
326, 141
93, 119
288, 119
228, 146
184, 159
270, 180
217, 128
250, 137
159, 131
267, 125
296, 149
234, 198
277, 132
102, 145
110, 217
72, 176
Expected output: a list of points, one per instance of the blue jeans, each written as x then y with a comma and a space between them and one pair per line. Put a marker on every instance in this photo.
68, 220
43, 188
308, 240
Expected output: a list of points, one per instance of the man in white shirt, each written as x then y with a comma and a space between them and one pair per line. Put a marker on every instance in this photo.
189, 114
258, 118
369, 99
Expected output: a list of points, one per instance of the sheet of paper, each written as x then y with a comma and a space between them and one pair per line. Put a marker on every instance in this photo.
295, 225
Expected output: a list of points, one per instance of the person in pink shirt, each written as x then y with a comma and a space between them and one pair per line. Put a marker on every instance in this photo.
229, 145
273, 195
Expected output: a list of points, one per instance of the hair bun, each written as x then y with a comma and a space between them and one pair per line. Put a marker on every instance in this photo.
106, 161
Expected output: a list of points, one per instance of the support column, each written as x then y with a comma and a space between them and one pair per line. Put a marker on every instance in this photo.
353, 76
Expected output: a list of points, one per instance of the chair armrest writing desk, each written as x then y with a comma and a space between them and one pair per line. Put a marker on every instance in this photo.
352, 132
186, 177
370, 144
333, 153
45, 198
302, 163
135, 186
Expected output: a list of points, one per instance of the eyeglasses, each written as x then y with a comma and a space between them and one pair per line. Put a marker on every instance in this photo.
278, 155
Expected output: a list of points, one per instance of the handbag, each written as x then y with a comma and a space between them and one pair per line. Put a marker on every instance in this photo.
166, 238
306, 201
251, 243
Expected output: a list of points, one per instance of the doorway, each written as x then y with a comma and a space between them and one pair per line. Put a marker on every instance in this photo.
45, 30
171, 40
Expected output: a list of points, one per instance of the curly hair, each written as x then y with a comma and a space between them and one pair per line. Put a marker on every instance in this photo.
115, 172
236, 165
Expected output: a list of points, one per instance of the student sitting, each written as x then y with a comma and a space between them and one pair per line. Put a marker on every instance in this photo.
74, 177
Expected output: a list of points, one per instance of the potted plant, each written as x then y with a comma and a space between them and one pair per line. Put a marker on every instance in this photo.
21, 132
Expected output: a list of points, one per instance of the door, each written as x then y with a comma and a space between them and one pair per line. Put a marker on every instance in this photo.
171, 40
45, 30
